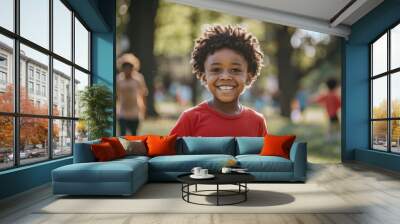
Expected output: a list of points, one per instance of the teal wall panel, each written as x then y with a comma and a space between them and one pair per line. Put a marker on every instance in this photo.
103, 52
103, 58
24, 178
379, 159
89, 11
355, 100
103, 64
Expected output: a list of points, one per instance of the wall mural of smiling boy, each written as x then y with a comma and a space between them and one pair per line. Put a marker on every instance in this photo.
227, 60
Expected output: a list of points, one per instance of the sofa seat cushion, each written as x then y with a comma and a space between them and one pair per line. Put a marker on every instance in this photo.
185, 163
111, 171
257, 163
133, 158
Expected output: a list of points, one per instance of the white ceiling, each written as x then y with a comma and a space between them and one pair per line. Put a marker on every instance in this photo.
321, 9
315, 15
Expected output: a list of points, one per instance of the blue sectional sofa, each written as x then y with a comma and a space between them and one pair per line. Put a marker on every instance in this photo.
125, 176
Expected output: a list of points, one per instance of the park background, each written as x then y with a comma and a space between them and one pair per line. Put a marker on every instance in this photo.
297, 64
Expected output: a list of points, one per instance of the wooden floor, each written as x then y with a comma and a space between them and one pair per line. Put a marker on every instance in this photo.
378, 189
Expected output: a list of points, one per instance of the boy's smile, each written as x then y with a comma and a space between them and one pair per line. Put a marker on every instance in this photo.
226, 75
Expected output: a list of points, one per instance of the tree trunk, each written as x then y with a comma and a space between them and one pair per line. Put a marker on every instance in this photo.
288, 80
194, 18
140, 31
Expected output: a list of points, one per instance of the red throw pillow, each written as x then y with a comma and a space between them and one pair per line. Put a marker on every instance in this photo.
116, 145
103, 151
161, 145
277, 145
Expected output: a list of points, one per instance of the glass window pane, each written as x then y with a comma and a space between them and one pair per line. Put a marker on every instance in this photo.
34, 97
62, 89
395, 94
81, 45
379, 55
6, 142
62, 29
33, 139
81, 81
6, 74
81, 131
395, 47
62, 138
7, 14
379, 135
379, 98
395, 136
35, 21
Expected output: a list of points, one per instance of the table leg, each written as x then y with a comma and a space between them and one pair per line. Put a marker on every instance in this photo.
188, 189
182, 188
217, 194
245, 193
196, 188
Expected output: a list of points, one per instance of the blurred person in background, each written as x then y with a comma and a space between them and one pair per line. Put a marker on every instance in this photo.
299, 104
332, 103
131, 93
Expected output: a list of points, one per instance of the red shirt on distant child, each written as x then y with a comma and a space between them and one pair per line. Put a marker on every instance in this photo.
331, 101
203, 120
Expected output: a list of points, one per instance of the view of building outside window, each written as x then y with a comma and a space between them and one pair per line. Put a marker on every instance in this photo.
34, 77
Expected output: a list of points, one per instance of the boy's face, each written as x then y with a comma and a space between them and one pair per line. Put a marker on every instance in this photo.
225, 74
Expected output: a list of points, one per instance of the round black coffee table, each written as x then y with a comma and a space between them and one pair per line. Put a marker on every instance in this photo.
238, 179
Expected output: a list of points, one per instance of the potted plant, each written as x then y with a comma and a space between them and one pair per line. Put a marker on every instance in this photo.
96, 102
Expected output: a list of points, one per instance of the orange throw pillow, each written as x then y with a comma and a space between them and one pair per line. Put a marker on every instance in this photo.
103, 151
116, 145
161, 145
135, 138
277, 145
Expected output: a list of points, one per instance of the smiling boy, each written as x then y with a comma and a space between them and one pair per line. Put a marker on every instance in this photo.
227, 60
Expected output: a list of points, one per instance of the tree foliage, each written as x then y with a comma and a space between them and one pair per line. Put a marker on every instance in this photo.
380, 127
33, 130
296, 57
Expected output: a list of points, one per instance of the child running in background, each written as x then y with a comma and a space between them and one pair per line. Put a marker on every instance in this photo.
332, 103
227, 60
131, 93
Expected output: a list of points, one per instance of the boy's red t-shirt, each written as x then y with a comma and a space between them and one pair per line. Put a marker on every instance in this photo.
203, 120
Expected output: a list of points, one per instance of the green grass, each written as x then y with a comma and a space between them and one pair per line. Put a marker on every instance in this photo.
312, 129
319, 149
160, 126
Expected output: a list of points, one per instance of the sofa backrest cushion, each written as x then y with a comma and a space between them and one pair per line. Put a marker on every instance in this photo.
206, 145
83, 153
249, 145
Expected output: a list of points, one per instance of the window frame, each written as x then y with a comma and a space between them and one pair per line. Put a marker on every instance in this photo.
388, 74
16, 114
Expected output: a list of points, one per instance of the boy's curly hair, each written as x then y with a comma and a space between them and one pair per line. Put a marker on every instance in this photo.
237, 38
